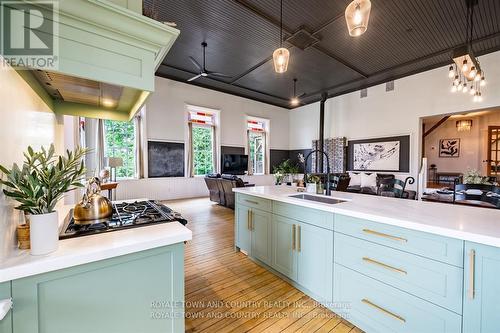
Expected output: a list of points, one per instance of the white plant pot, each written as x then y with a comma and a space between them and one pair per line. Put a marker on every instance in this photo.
44, 233
311, 187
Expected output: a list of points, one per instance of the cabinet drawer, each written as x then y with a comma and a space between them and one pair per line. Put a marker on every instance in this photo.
435, 247
311, 216
431, 280
377, 307
254, 202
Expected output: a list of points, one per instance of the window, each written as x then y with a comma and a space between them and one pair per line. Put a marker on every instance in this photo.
202, 136
120, 141
256, 148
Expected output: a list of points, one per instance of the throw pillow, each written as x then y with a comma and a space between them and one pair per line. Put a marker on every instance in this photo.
355, 179
369, 180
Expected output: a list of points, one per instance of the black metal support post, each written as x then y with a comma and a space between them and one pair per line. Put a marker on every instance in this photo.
321, 140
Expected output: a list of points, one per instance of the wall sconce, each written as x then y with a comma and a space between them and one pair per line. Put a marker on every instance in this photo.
464, 125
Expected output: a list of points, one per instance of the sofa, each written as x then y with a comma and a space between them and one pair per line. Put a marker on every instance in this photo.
220, 188
384, 186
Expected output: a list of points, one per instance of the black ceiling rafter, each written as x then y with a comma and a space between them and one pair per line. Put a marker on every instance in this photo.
403, 63
288, 31
159, 73
412, 62
435, 126
393, 78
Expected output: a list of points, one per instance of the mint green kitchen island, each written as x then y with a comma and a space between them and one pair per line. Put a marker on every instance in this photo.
127, 281
384, 264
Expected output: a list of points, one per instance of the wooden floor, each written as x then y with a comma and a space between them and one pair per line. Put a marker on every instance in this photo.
227, 292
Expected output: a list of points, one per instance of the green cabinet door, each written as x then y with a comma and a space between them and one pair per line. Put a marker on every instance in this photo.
482, 289
315, 260
139, 292
6, 322
261, 228
242, 229
284, 246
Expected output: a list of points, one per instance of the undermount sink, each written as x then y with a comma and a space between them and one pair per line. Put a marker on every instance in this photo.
327, 200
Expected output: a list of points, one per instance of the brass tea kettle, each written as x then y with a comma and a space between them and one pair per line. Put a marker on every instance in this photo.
93, 208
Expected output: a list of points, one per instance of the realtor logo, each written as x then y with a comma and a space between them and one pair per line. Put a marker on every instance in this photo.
28, 34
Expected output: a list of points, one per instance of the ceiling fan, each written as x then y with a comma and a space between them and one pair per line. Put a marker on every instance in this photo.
203, 72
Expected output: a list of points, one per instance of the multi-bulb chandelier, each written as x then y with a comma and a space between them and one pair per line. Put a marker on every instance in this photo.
466, 73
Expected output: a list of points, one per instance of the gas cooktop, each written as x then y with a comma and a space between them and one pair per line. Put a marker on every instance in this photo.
125, 215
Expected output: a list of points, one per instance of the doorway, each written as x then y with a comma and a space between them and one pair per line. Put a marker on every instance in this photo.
493, 161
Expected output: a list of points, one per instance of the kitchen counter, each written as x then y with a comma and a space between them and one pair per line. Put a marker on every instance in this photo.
480, 225
82, 250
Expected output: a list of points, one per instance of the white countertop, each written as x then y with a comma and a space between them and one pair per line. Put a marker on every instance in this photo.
475, 224
86, 249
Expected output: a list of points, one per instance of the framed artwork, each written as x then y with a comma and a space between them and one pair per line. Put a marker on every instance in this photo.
449, 147
391, 154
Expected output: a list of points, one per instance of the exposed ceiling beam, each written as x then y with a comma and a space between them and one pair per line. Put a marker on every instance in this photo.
436, 125
288, 31
408, 63
200, 83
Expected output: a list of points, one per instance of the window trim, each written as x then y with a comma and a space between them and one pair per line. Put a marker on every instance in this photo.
209, 126
267, 132
135, 152
216, 123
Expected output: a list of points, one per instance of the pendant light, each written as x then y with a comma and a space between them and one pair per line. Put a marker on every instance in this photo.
357, 15
295, 100
281, 56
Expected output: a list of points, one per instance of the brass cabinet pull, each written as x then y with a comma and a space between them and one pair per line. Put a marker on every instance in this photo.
381, 309
299, 236
381, 264
472, 263
251, 220
252, 202
293, 237
381, 234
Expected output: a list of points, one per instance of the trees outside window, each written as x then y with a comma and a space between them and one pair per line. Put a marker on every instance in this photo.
119, 141
203, 143
256, 144
256, 147
202, 129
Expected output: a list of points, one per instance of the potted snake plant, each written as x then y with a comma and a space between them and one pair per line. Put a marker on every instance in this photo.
38, 185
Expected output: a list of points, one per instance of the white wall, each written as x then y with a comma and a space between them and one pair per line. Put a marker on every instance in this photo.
473, 143
470, 147
394, 113
304, 126
166, 114
24, 120
166, 121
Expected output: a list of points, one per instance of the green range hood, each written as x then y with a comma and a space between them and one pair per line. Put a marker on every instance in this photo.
108, 55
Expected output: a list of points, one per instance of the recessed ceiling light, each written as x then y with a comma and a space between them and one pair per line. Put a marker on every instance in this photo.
109, 103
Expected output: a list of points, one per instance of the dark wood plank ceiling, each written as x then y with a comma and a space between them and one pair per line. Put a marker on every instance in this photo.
404, 37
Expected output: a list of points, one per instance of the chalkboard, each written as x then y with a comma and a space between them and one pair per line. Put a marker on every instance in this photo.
277, 156
165, 159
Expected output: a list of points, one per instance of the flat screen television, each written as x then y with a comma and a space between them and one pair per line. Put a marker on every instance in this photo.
234, 164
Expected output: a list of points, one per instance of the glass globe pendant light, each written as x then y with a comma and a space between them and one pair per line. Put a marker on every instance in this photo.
357, 15
451, 72
281, 56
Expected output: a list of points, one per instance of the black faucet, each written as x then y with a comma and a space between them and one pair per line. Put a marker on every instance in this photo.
328, 190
